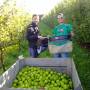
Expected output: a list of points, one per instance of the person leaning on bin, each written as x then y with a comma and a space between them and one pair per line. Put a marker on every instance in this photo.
33, 36
59, 43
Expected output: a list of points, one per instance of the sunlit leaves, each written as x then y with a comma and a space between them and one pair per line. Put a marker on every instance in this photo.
13, 22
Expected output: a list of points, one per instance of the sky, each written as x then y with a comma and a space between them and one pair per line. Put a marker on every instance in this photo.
1, 1
36, 6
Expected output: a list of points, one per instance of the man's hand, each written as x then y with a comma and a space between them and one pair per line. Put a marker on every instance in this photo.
40, 37
72, 34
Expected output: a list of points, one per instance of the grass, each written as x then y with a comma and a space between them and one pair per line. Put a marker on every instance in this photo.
45, 54
11, 54
82, 61
80, 56
10, 57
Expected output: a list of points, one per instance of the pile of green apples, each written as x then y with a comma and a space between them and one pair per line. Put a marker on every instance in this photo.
47, 79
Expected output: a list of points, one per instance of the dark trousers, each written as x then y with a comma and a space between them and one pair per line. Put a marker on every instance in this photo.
33, 52
33, 48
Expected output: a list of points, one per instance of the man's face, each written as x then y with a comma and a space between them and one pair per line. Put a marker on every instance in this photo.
61, 20
36, 19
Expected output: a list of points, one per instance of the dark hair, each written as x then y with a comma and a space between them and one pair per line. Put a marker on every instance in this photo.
34, 15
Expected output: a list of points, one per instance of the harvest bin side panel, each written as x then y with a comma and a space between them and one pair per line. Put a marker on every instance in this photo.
62, 65
7, 78
75, 78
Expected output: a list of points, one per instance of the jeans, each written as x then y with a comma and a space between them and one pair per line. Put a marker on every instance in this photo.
33, 52
61, 55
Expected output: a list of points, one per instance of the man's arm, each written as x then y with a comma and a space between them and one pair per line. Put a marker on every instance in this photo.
31, 35
70, 31
72, 34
